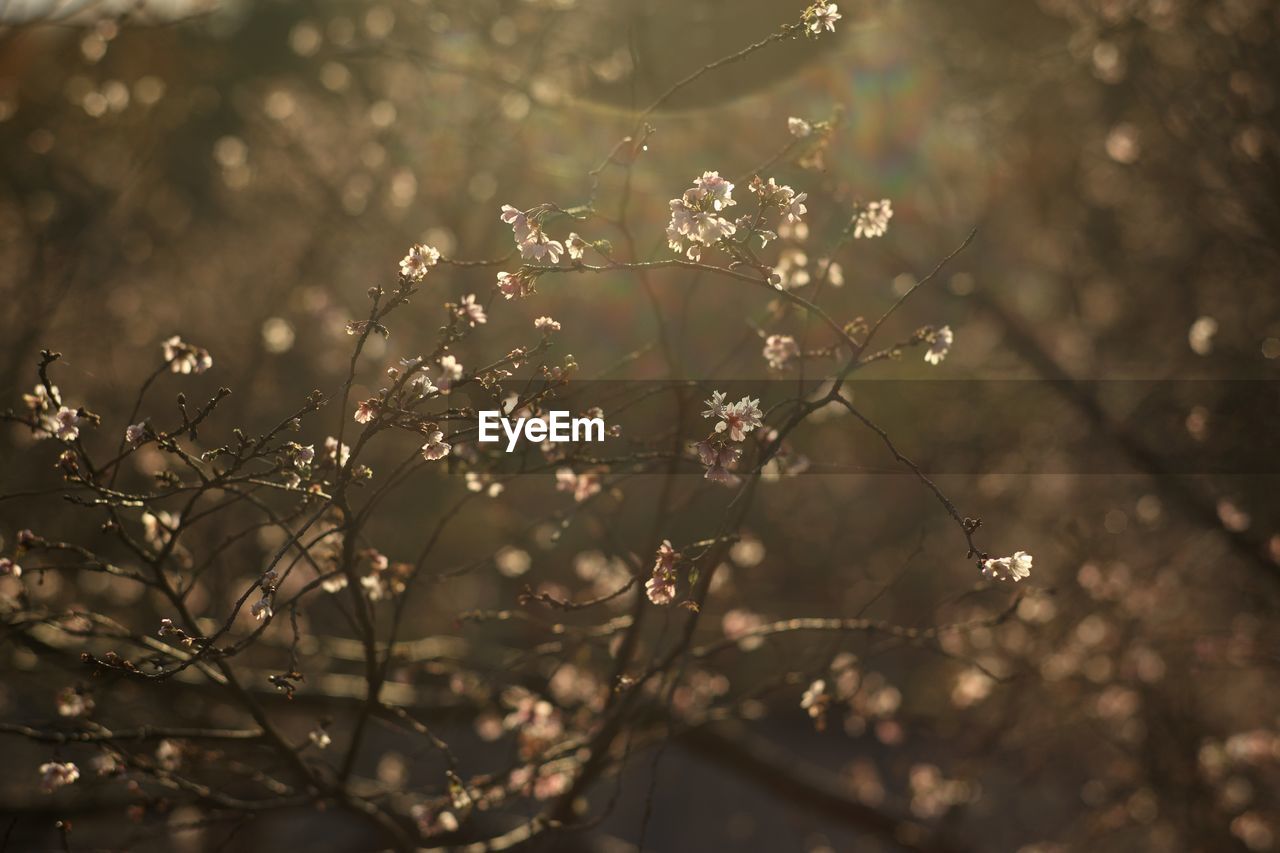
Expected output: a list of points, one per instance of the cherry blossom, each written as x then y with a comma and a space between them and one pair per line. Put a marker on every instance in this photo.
1013, 568
55, 774
779, 350
436, 447
261, 609
740, 418
72, 702
873, 220
821, 16
512, 285
471, 311
695, 216
939, 345
135, 434
815, 700
583, 485
719, 460
661, 587
450, 372
418, 261
336, 453
533, 244
183, 357
65, 425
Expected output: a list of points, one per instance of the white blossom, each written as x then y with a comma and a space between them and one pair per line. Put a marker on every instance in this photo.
55, 774
65, 425
1200, 335
450, 372
183, 357
336, 453
73, 703
418, 261
779, 350
821, 16
513, 284
695, 216
169, 755
715, 406
472, 311
546, 325
1013, 568
135, 433
939, 345
815, 700
873, 220
436, 447
798, 127
261, 608
740, 418
530, 240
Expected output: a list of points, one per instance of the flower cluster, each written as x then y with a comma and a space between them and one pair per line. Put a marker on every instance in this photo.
720, 452
1013, 568
873, 220
939, 344
52, 419
815, 700
696, 220
385, 579
787, 201
470, 311
533, 243
420, 259
737, 419
779, 350
661, 586
55, 774
519, 283
183, 357
821, 16
436, 447
583, 485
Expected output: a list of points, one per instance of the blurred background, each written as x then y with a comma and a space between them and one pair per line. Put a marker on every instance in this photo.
240, 173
